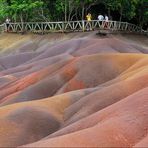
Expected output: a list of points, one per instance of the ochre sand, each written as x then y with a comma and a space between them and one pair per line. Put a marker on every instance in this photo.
73, 90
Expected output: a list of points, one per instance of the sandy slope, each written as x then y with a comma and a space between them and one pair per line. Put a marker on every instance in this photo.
74, 90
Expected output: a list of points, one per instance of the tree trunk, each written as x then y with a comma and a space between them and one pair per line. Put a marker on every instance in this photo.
70, 11
65, 11
121, 13
15, 18
43, 16
83, 9
77, 14
109, 13
22, 22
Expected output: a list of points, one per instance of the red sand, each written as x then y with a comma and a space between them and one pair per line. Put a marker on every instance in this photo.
83, 91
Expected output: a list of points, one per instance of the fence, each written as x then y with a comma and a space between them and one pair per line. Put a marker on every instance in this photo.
45, 27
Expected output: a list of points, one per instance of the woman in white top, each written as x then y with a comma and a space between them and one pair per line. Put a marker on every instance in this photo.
106, 18
7, 23
100, 17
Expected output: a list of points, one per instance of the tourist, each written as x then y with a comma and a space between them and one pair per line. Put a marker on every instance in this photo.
100, 17
7, 23
106, 18
88, 17
106, 22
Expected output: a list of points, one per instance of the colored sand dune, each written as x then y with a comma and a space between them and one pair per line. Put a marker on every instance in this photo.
75, 90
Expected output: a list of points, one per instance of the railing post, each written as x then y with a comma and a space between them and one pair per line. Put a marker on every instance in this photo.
83, 25
22, 30
42, 27
63, 27
2, 28
126, 26
115, 25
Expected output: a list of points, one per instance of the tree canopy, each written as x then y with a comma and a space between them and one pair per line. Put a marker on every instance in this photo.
135, 11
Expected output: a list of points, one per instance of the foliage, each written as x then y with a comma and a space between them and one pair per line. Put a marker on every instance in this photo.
19, 9
66, 10
142, 12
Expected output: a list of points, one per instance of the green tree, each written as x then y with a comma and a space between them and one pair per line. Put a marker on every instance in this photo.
19, 10
126, 8
3, 12
60, 10
142, 12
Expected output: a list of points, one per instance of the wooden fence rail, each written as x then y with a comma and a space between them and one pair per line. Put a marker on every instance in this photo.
2, 28
45, 27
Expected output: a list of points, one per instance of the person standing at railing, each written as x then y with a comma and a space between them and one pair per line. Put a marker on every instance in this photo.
106, 22
7, 23
89, 18
101, 18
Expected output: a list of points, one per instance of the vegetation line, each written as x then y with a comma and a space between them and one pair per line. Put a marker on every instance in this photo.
133, 11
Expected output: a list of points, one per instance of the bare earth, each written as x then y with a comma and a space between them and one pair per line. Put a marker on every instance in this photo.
73, 90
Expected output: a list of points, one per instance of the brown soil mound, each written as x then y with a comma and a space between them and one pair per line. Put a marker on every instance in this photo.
82, 91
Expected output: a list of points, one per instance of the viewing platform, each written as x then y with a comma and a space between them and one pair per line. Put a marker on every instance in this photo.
71, 26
